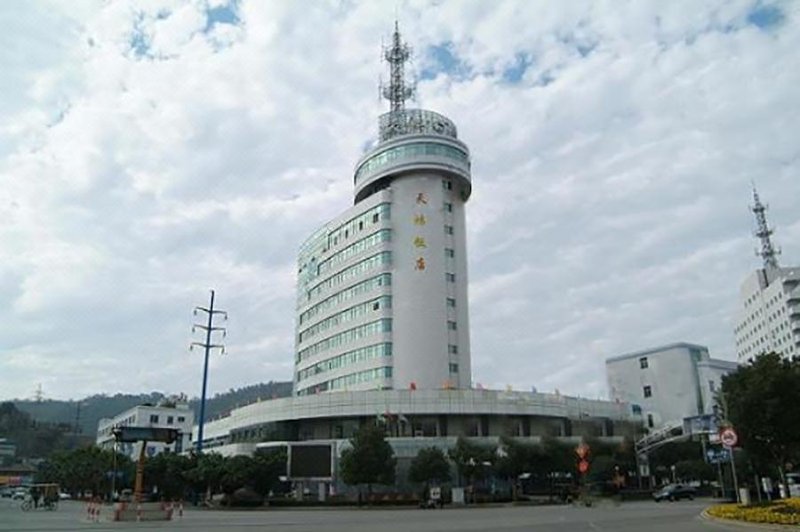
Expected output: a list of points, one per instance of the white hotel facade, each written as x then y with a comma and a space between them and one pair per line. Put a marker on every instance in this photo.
382, 289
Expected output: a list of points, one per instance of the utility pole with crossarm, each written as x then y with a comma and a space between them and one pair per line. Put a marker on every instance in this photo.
207, 346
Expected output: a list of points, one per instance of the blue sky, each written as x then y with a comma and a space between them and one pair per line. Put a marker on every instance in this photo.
154, 149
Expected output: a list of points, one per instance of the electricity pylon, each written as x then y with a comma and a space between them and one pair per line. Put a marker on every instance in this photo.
207, 346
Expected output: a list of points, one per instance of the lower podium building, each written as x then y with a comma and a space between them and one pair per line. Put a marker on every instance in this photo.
416, 419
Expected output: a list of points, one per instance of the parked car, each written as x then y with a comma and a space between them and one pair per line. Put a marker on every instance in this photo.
19, 494
6, 492
674, 492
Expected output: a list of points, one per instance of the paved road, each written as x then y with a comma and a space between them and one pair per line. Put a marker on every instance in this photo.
629, 517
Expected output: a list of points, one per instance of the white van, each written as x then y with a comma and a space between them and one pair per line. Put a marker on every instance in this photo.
793, 480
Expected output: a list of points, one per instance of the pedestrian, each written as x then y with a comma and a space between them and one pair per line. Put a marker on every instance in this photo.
35, 495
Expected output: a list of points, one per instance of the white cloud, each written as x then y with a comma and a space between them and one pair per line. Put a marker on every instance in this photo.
147, 157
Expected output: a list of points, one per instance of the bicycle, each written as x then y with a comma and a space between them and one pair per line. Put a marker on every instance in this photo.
26, 505
50, 505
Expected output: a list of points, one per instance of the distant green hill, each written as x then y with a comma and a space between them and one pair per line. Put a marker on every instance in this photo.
87, 412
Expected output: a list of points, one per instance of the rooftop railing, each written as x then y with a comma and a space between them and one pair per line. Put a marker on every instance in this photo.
414, 122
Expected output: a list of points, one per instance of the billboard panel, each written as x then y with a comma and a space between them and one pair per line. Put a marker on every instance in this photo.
136, 434
310, 461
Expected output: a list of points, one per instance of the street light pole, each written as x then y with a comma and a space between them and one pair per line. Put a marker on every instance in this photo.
207, 347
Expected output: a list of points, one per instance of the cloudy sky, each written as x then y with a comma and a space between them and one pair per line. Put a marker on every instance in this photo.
152, 150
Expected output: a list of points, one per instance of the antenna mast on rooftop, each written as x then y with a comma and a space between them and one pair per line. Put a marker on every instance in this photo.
397, 92
768, 251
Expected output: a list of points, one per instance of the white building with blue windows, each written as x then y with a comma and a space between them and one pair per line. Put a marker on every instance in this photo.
769, 312
382, 289
669, 383
168, 414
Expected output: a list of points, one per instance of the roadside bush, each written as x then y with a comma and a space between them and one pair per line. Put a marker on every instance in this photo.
781, 512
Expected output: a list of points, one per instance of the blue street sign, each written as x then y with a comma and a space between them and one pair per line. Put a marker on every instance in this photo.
717, 455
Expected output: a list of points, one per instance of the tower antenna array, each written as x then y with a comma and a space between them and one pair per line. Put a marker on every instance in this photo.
768, 251
397, 92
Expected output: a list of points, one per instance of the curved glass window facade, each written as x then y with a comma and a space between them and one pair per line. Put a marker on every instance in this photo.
313, 250
353, 249
415, 149
356, 269
347, 359
346, 337
341, 383
346, 316
384, 279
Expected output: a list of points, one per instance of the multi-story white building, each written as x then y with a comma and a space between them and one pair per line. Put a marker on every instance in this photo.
769, 315
668, 383
170, 415
382, 289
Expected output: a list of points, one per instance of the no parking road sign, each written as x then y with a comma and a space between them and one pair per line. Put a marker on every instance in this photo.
728, 437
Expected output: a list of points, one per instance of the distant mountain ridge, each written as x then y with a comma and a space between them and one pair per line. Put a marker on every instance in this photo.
85, 413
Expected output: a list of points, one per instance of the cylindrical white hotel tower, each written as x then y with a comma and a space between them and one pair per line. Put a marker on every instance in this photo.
382, 290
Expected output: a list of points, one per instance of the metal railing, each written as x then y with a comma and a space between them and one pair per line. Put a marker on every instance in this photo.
415, 122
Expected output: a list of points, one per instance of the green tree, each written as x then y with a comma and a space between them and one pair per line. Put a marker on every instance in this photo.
238, 473
515, 458
268, 466
89, 468
429, 466
206, 475
760, 400
167, 472
370, 460
472, 461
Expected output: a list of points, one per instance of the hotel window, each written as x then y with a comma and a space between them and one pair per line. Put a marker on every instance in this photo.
448, 229
453, 368
451, 302
648, 392
451, 325
153, 418
448, 207
447, 184
452, 349
449, 252
450, 277
169, 420
650, 421
643, 363
181, 419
